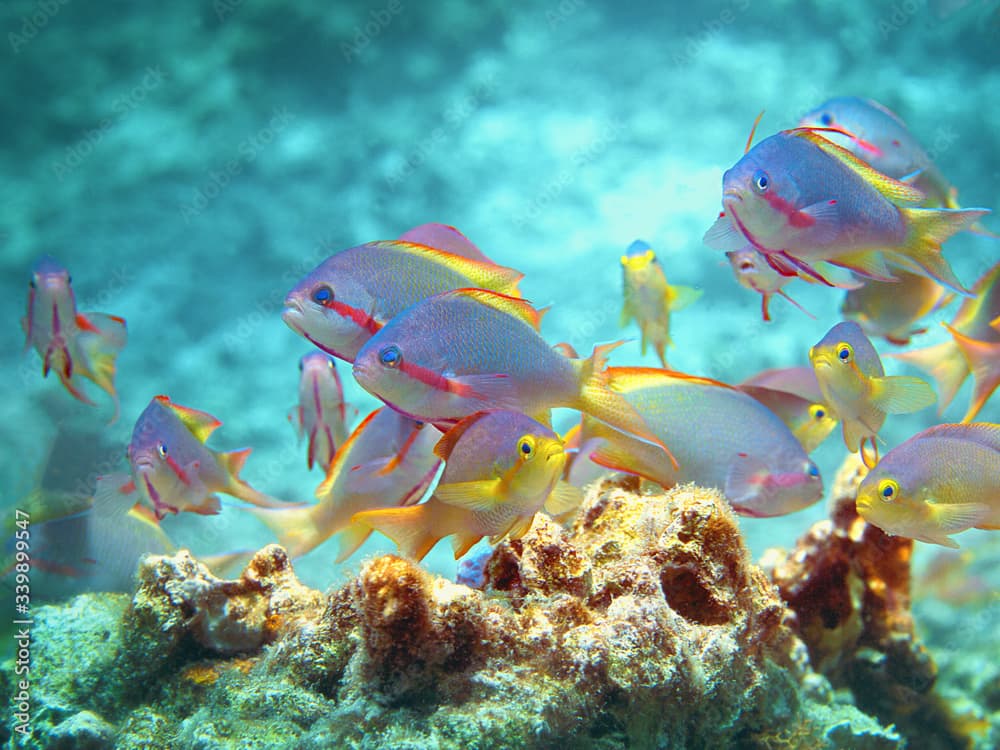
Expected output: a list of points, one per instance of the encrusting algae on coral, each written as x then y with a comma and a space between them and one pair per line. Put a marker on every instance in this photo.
645, 624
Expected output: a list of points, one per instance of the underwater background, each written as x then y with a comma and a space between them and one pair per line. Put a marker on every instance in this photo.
189, 162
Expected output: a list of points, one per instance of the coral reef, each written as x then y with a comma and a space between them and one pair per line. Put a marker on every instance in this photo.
643, 625
847, 584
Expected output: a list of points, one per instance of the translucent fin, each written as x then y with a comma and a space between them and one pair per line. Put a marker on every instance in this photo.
723, 235
411, 528
984, 362
446, 238
564, 498
679, 297
901, 394
952, 517
349, 540
478, 495
927, 229
200, 423
945, 363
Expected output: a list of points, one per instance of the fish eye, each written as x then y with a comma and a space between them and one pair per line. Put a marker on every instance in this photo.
817, 411
888, 490
812, 470
161, 449
761, 181
845, 352
322, 295
32, 282
526, 447
826, 119
390, 356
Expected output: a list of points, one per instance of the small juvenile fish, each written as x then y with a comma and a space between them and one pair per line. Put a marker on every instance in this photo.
649, 299
798, 198
809, 420
501, 468
466, 350
883, 141
857, 390
75, 345
752, 271
387, 461
722, 438
941, 481
975, 336
891, 309
322, 412
446, 238
348, 297
174, 471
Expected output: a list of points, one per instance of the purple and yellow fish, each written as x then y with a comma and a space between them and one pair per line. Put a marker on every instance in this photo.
388, 461
73, 344
447, 238
174, 471
857, 390
891, 309
346, 299
721, 438
879, 137
939, 482
810, 421
501, 468
321, 413
649, 299
973, 347
798, 198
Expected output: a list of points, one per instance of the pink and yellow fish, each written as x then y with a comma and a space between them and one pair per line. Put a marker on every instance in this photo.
468, 350
388, 461
939, 482
74, 345
649, 299
974, 347
721, 438
857, 390
321, 413
173, 470
798, 198
892, 309
347, 299
501, 468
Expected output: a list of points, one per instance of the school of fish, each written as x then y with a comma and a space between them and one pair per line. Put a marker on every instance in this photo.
463, 445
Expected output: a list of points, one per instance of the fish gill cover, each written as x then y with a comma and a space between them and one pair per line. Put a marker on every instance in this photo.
189, 165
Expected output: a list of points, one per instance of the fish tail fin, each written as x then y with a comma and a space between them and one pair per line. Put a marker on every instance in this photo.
349, 540
233, 462
598, 398
943, 362
99, 344
414, 529
661, 350
58, 358
298, 530
927, 229
983, 358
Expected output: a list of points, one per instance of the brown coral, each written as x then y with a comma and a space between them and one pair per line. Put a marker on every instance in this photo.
848, 586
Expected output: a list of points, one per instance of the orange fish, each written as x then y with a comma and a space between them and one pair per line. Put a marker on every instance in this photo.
73, 344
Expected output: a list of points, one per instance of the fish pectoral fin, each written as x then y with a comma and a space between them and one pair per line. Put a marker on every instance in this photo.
822, 219
869, 263
678, 297
494, 389
901, 394
563, 498
209, 506
744, 480
723, 235
477, 495
952, 517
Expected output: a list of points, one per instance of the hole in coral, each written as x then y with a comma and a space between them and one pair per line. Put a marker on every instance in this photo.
689, 598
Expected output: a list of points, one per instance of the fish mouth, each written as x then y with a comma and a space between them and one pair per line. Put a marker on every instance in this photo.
293, 314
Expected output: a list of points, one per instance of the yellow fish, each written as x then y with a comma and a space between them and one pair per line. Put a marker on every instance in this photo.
649, 299
891, 309
941, 481
857, 390
501, 468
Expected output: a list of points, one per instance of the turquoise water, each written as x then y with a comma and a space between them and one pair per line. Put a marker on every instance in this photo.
188, 163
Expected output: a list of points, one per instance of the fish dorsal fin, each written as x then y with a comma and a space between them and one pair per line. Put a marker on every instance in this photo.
984, 433
447, 443
200, 423
341, 454
894, 190
513, 306
445, 237
625, 379
481, 273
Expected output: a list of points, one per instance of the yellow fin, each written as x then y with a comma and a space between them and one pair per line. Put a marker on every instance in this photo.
462, 543
482, 274
983, 358
409, 527
350, 539
944, 362
901, 394
563, 498
478, 495
679, 297
952, 517
513, 306
927, 229
200, 423
870, 263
